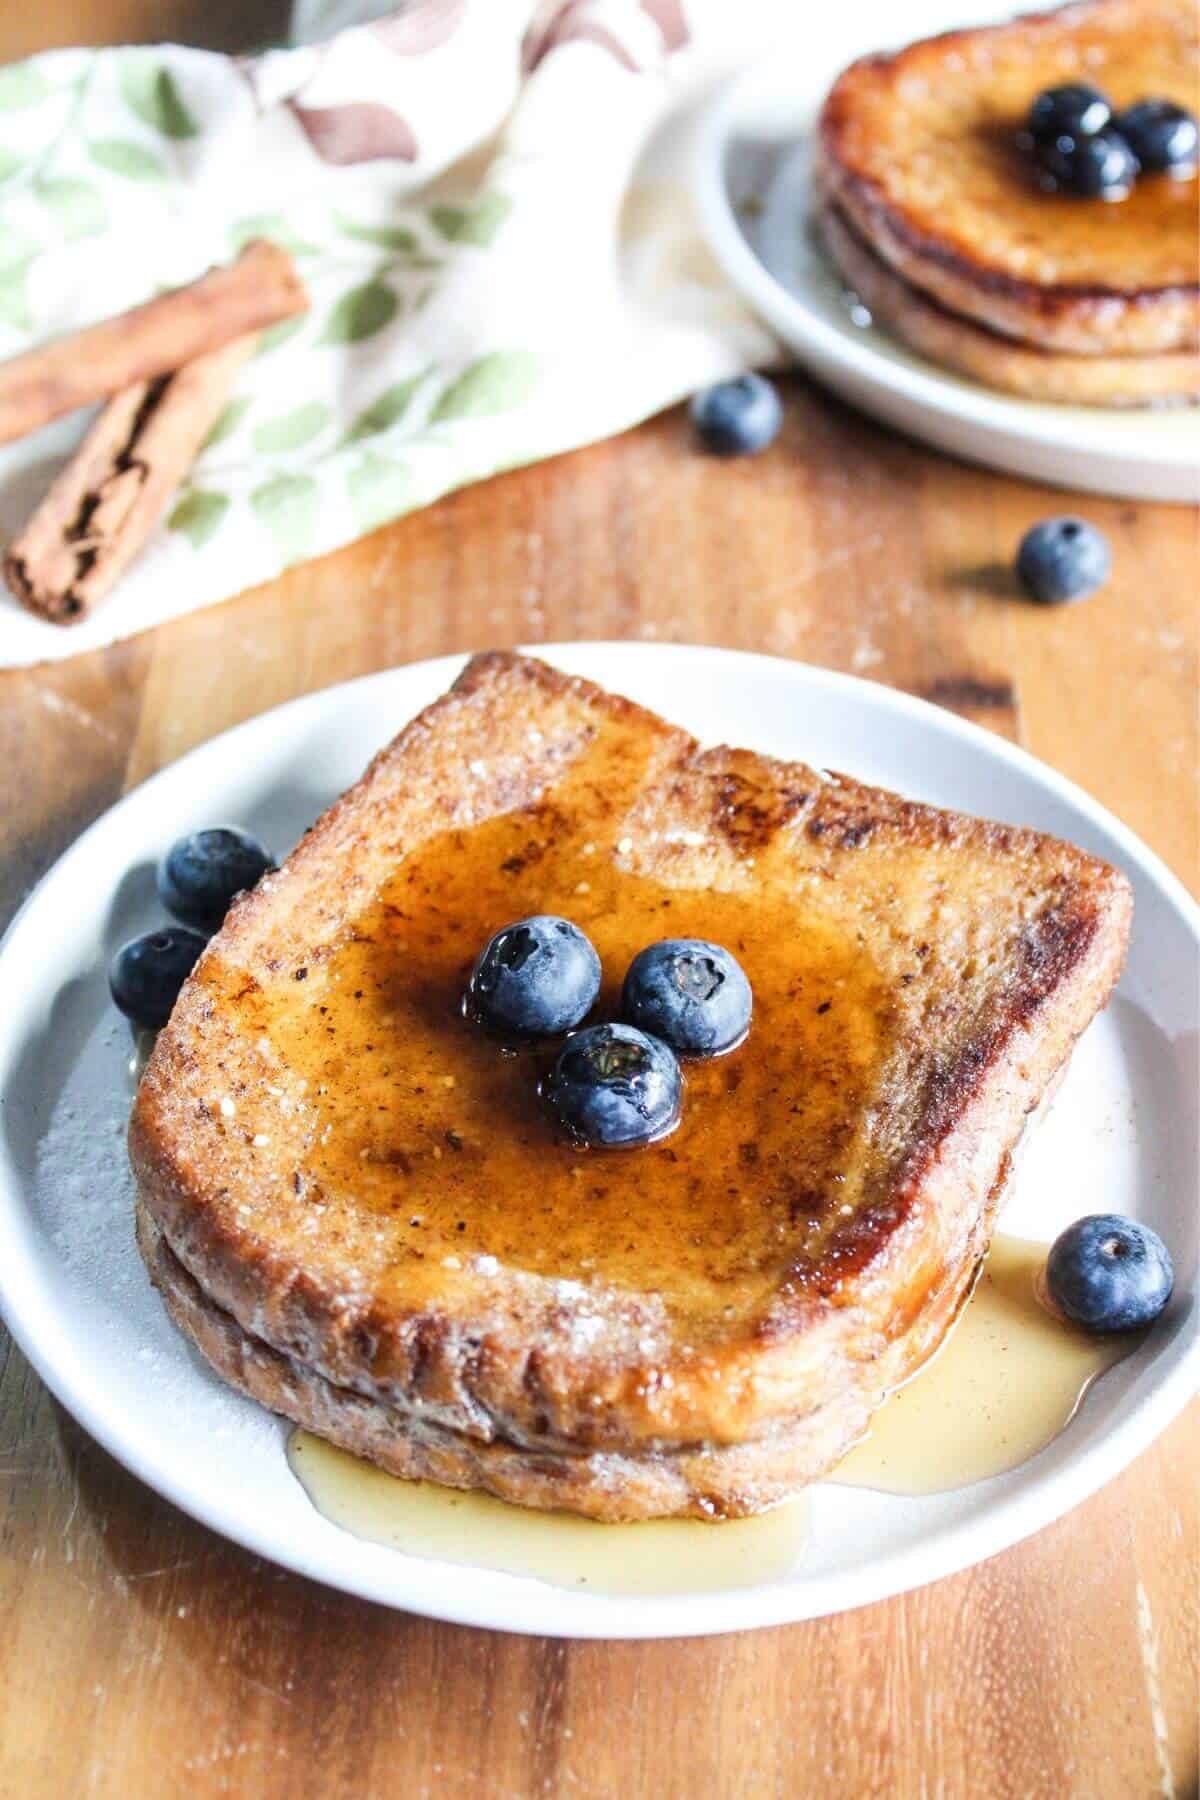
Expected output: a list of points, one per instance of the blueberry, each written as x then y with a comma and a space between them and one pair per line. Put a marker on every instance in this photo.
1073, 110
1162, 136
1063, 559
534, 978
1096, 166
201, 873
737, 418
1107, 1273
145, 976
692, 994
613, 1084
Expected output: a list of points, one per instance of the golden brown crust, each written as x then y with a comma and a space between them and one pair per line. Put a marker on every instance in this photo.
705, 1481
973, 350
998, 946
918, 150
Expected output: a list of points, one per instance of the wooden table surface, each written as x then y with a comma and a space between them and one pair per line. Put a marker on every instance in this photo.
140, 1654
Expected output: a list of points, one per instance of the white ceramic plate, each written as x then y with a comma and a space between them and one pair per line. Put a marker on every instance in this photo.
1122, 1135
752, 184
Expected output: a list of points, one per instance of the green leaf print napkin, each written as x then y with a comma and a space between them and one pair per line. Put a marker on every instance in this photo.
488, 202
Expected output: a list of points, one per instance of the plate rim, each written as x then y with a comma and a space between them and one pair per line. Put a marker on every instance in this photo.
1009, 422
51, 1351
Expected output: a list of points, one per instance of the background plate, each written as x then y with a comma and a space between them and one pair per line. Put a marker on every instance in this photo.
1122, 1135
752, 183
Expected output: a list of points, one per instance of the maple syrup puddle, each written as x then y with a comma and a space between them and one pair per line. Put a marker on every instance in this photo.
652, 1556
1009, 1377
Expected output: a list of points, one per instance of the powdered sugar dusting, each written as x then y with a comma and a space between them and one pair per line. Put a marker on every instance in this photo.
81, 1198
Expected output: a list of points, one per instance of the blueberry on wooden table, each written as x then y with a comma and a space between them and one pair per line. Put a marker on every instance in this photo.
145, 976
200, 875
614, 1085
536, 977
1108, 1273
737, 418
1063, 559
692, 994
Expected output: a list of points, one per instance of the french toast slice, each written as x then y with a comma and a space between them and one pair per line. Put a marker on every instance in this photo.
355, 1207
1169, 378
918, 151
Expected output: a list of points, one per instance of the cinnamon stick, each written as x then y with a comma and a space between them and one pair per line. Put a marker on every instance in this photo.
259, 289
105, 503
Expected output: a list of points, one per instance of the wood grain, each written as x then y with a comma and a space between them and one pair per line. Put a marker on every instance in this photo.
140, 1654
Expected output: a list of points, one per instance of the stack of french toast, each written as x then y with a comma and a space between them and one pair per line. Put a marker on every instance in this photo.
354, 1205
939, 215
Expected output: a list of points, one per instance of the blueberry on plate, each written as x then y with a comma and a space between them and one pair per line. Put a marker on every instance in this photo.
1162, 136
1095, 166
612, 1085
201, 873
1072, 110
692, 994
145, 976
1063, 559
737, 418
1108, 1273
537, 977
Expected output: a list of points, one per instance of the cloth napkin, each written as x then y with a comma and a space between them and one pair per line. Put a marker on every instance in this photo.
488, 201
